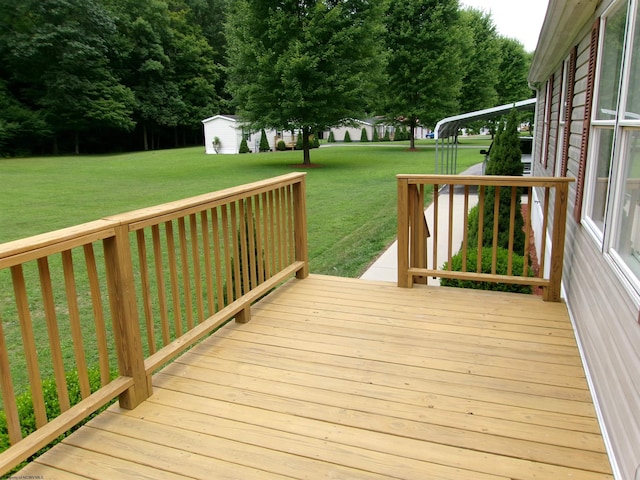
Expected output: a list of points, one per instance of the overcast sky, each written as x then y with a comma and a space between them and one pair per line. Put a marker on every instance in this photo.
515, 18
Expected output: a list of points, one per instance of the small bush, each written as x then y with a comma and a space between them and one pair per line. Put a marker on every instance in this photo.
281, 146
331, 137
299, 142
315, 142
347, 137
501, 269
386, 137
376, 138
244, 148
363, 135
27, 416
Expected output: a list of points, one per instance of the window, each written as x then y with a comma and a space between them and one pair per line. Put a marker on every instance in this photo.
612, 187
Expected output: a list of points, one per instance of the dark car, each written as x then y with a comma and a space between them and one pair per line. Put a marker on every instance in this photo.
526, 147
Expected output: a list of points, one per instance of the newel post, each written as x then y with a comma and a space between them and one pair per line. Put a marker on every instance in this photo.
300, 226
404, 280
552, 292
124, 314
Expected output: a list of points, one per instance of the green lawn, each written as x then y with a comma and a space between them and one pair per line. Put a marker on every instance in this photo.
351, 196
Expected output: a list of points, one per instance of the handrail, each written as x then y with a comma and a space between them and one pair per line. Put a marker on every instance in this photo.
166, 276
413, 262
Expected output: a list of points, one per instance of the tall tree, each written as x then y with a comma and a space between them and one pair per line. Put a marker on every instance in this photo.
56, 56
482, 62
303, 65
425, 42
514, 66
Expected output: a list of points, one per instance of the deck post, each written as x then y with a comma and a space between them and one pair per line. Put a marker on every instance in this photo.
552, 292
404, 280
244, 315
124, 313
300, 226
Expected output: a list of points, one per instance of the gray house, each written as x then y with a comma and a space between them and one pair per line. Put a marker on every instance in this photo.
588, 127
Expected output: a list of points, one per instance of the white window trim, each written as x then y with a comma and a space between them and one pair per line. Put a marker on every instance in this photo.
606, 239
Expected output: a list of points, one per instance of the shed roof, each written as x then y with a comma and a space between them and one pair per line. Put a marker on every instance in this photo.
448, 127
231, 118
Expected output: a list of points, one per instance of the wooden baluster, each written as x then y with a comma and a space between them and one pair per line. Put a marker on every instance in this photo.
244, 254
49, 306
208, 267
74, 320
159, 268
186, 280
217, 248
237, 276
197, 274
512, 228
227, 254
146, 290
8, 396
481, 196
496, 219
450, 233
527, 234
545, 229
28, 340
98, 314
251, 234
436, 211
465, 230
260, 243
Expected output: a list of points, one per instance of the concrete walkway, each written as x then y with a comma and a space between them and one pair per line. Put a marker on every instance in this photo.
385, 267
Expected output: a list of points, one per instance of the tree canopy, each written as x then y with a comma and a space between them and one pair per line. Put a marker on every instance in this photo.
425, 43
105, 75
305, 65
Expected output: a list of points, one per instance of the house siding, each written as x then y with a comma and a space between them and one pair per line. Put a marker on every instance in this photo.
603, 307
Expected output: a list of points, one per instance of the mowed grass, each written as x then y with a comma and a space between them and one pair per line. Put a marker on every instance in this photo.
351, 194
351, 208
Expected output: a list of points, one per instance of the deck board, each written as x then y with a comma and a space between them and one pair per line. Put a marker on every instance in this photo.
344, 378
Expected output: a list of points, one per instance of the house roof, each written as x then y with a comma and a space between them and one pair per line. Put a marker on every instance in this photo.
448, 127
564, 21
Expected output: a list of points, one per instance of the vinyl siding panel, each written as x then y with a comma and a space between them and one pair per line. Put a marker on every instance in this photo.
604, 311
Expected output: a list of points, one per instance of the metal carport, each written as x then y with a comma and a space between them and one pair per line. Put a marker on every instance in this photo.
446, 132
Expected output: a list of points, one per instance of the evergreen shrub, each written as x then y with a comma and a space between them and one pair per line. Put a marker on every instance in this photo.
244, 148
363, 135
347, 137
281, 146
264, 143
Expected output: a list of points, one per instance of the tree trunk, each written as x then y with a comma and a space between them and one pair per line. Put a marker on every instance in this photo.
412, 136
305, 145
77, 138
144, 137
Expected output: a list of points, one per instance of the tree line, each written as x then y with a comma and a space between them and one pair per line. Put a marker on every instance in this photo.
119, 75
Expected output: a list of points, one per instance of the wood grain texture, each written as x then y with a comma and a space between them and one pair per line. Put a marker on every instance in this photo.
344, 378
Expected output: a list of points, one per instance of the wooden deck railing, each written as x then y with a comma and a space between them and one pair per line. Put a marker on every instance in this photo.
130, 292
416, 264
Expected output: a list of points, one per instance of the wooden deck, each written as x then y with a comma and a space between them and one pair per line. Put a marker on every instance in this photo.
348, 379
